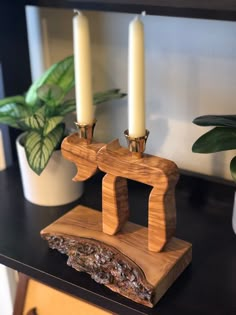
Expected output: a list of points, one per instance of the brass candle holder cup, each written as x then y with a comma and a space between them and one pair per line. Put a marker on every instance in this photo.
136, 145
85, 131
80, 149
138, 262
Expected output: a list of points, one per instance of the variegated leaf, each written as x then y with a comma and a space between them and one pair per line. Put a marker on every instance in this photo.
12, 113
51, 123
105, 96
51, 94
39, 148
10, 121
98, 97
67, 107
35, 121
31, 97
18, 99
61, 74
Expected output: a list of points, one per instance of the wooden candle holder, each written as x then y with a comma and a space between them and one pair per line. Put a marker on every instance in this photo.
137, 262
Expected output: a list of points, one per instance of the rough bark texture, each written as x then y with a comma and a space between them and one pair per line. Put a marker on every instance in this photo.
106, 265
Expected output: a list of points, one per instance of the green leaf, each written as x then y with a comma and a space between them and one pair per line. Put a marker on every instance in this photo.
233, 168
12, 122
39, 148
217, 139
51, 94
18, 99
67, 107
99, 97
51, 123
105, 96
12, 113
31, 97
61, 74
216, 120
35, 121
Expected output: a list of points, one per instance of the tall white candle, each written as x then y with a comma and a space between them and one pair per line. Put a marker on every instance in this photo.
83, 77
136, 80
2, 153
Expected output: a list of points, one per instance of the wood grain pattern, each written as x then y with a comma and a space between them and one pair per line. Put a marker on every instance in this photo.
120, 164
160, 269
161, 217
150, 169
160, 173
115, 208
83, 155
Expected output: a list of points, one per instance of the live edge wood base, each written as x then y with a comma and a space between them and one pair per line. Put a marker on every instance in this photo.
122, 262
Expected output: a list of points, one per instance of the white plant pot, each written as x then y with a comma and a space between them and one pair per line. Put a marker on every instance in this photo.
54, 186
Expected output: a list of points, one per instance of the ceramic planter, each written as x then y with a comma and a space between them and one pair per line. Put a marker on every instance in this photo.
54, 186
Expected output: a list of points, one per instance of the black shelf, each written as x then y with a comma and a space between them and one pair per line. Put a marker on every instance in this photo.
211, 9
204, 212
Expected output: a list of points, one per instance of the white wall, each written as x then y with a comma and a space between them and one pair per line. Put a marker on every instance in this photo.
190, 71
7, 290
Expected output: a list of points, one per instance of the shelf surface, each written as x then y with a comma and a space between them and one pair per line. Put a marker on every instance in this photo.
204, 212
212, 9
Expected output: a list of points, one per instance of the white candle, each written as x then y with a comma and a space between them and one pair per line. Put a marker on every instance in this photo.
2, 153
136, 84
83, 77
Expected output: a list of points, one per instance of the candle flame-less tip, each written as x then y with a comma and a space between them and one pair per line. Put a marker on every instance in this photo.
77, 12
138, 16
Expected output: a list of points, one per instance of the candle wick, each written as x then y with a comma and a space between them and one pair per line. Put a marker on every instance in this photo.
143, 13
77, 12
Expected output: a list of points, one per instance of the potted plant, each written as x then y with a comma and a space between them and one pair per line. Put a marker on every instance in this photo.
220, 138
40, 114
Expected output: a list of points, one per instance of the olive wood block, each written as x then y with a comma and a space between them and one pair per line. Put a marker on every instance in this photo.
83, 155
115, 209
158, 172
123, 262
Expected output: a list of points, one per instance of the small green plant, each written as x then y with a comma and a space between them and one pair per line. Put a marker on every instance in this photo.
41, 111
220, 138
